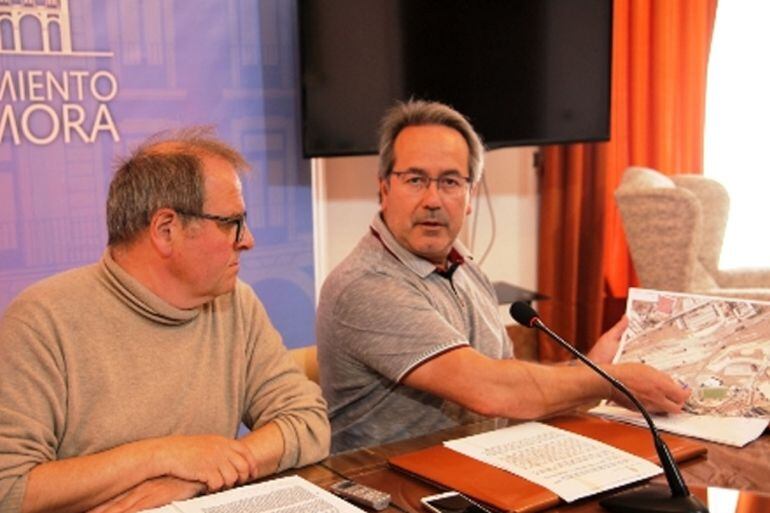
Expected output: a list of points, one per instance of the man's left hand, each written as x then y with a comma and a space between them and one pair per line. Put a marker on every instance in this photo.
607, 346
151, 494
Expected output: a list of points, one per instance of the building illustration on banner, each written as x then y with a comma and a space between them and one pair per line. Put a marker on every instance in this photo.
51, 17
42, 104
67, 111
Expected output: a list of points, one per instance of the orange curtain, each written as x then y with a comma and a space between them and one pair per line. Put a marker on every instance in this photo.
659, 57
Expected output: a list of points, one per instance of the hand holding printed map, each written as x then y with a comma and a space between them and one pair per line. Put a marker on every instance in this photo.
718, 347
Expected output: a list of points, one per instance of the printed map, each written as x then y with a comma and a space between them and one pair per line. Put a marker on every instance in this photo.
718, 347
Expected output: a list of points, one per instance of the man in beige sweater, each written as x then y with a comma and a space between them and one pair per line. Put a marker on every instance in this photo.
123, 383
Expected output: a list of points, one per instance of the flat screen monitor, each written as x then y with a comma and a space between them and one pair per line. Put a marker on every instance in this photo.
525, 72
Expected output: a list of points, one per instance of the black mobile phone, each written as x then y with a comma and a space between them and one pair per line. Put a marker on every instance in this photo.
452, 502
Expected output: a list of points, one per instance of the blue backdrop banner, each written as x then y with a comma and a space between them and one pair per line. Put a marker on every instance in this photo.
84, 81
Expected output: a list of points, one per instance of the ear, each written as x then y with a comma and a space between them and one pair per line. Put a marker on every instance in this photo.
164, 227
471, 199
384, 190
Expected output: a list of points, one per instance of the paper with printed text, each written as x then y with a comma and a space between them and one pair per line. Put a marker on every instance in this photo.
570, 465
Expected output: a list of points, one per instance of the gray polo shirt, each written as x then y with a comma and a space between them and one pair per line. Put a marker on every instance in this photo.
384, 311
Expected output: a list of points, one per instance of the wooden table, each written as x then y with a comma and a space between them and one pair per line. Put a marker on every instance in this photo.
746, 469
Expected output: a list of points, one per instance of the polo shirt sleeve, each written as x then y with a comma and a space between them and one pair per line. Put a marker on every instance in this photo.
391, 325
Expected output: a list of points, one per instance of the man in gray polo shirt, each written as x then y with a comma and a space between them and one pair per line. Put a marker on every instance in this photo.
409, 336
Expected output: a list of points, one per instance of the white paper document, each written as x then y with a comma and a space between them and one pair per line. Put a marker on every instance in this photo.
283, 495
570, 465
736, 431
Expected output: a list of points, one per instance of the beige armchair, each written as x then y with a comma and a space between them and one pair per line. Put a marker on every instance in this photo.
674, 227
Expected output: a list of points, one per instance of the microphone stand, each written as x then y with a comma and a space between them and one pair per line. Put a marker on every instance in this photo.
652, 498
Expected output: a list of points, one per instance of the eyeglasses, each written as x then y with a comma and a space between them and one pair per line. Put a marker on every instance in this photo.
238, 220
450, 184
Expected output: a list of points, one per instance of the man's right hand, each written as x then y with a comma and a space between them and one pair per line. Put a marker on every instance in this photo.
656, 390
213, 460
151, 494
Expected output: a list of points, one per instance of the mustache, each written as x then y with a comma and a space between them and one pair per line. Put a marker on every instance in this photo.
431, 217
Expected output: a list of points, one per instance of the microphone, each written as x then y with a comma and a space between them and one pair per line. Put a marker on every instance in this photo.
653, 498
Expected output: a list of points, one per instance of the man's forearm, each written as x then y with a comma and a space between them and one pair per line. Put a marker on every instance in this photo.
80, 483
524, 390
155, 492
266, 443
531, 390
552, 389
76, 484
506, 388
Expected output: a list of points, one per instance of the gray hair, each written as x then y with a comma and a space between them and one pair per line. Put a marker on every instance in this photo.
420, 112
166, 171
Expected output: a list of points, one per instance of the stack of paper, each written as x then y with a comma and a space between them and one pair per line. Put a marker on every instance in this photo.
736, 431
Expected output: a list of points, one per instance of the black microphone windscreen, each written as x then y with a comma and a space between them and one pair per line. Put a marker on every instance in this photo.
523, 313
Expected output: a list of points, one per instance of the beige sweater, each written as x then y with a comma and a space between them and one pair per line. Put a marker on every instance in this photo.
90, 359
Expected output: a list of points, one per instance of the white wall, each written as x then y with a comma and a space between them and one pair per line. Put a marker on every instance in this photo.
345, 200
512, 181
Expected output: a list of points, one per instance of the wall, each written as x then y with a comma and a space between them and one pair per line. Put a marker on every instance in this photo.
345, 199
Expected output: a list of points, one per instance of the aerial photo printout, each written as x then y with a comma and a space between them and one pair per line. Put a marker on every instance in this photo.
718, 347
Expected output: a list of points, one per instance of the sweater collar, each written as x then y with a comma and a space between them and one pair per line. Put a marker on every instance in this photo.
139, 298
417, 264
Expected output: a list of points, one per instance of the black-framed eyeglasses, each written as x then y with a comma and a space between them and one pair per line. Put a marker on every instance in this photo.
451, 184
239, 220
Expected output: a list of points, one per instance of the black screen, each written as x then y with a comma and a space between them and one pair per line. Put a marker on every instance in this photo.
525, 72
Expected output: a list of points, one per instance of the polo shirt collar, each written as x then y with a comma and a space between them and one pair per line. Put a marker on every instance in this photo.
418, 265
